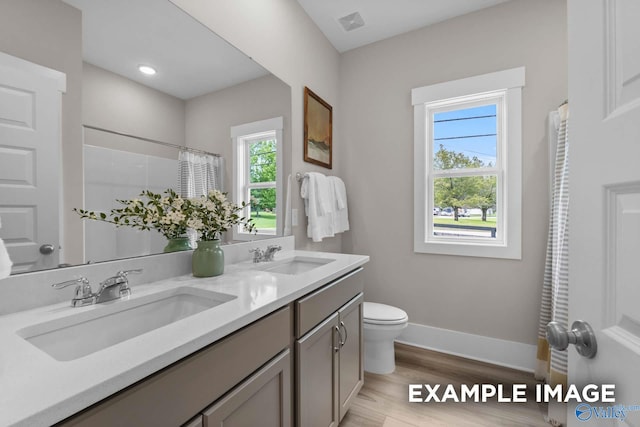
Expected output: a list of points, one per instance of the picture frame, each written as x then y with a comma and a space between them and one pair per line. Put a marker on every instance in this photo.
318, 130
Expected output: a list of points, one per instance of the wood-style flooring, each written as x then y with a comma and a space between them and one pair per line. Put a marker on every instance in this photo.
384, 399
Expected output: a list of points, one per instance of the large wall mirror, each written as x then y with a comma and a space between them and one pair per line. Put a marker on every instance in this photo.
122, 131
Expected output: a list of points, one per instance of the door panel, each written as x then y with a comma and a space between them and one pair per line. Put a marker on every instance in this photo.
604, 247
30, 101
262, 400
317, 376
622, 61
351, 353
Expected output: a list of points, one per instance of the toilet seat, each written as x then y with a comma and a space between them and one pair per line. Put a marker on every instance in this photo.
382, 314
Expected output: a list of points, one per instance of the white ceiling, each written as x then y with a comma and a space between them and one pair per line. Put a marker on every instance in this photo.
119, 35
384, 18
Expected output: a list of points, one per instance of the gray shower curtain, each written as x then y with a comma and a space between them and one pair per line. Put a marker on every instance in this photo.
552, 364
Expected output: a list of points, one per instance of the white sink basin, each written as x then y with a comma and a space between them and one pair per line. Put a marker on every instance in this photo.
295, 265
84, 333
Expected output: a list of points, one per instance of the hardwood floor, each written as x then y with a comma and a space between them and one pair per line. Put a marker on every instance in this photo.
384, 399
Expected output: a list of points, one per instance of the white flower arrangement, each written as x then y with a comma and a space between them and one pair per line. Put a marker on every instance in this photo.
167, 214
171, 215
214, 214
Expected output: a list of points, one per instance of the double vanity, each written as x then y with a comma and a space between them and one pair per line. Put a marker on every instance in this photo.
276, 343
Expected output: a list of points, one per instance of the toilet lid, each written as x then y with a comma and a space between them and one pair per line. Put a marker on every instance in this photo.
383, 314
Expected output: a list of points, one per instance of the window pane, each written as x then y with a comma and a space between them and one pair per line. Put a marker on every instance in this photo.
465, 138
262, 161
263, 209
465, 207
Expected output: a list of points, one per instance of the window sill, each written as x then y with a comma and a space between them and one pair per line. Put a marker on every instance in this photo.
471, 249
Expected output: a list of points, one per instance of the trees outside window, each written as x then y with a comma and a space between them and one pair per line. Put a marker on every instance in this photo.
257, 176
467, 166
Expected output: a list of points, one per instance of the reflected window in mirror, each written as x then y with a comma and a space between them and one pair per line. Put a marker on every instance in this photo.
257, 176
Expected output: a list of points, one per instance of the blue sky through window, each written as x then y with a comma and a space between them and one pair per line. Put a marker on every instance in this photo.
471, 131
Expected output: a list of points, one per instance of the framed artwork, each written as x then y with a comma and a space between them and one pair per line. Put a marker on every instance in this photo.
318, 116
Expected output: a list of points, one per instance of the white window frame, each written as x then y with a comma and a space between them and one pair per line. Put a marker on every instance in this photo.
505, 87
241, 137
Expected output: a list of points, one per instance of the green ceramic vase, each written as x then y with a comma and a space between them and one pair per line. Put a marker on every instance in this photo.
208, 259
178, 244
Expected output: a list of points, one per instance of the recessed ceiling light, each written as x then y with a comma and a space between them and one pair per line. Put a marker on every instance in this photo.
351, 22
145, 69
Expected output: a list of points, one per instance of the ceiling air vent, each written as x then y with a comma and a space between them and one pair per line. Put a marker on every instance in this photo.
351, 22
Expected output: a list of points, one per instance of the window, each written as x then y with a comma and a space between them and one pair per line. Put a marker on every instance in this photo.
257, 177
467, 146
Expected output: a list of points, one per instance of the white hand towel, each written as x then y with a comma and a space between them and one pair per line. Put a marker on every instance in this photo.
323, 192
340, 192
287, 208
319, 212
5, 261
341, 214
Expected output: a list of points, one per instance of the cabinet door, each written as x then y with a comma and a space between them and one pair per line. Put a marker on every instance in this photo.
262, 400
196, 422
317, 375
351, 352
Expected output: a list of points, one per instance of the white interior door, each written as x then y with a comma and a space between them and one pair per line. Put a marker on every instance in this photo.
30, 109
604, 138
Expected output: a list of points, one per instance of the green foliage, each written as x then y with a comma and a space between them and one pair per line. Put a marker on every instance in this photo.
171, 215
168, 213
214, 214
462, 192
265, 222
263, 169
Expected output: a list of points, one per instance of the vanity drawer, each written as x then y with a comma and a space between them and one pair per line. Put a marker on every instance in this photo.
317, 306
174, 395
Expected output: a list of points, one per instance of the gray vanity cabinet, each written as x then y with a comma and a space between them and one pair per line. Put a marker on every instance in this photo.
196, 422
223, 374
351, 361
246, 379
329, 357
264, 399
318, 375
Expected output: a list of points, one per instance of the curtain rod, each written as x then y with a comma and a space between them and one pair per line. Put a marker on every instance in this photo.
166, 144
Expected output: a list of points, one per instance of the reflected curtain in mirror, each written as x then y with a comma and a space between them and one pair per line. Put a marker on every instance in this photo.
197, 175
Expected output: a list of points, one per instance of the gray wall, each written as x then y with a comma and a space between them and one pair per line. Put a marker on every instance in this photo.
208, 118
116, 103
281, 37
49, 33
489, 297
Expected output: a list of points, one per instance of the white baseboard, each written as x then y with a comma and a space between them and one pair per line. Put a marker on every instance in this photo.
510, 354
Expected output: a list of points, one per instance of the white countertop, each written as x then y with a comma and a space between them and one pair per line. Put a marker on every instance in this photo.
37, 390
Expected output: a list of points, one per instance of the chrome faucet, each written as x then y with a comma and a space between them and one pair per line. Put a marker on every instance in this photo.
83, 294
270, 252
115, 287
264, 256
258, 254
112, 288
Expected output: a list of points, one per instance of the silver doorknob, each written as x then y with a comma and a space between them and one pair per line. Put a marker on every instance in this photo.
47, 249
581, 335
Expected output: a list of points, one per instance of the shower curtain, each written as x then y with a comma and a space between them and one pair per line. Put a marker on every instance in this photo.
197, 175
552, 364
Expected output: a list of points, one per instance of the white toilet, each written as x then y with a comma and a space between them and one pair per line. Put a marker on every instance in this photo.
382, 324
